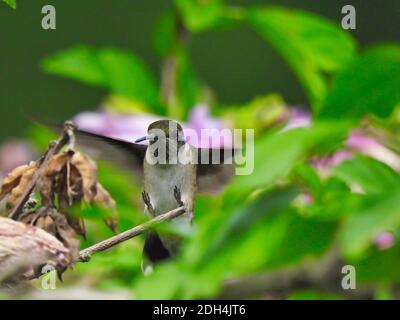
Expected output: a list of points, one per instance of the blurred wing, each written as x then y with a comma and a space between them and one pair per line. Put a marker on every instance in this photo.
124, 154
215, 169
127, 155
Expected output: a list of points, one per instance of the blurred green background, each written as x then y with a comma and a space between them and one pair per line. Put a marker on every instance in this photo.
235, 62
325, 183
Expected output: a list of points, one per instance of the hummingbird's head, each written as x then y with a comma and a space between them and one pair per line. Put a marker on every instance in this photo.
168, 130
165, 141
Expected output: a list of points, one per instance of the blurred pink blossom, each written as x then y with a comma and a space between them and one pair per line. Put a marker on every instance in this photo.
297, 117
369, 146
308, 198
200, 119
384, 240
325, 164
14, 153
357, 142
129, 127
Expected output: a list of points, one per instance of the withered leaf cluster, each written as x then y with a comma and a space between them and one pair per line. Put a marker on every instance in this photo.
70, 178
67, 179
56, 224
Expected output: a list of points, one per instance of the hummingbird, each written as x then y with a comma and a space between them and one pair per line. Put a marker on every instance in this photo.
172, 171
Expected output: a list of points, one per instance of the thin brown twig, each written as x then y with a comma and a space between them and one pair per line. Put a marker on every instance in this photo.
84, 255
54, 148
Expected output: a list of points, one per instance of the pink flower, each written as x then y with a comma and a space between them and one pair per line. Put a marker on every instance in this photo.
14, 153
371, 147
384, 240
308, 198
324, 164
357, 142
129, 127
297, 118
200, 121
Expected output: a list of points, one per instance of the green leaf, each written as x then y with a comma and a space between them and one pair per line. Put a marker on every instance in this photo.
260, 113
11, 3
235, 237
303, 238
312, 45
379, 213
263, 233
276, 154
199, 15
332, 200
371, 84
212, 253
79, 63
128, 76
244, 219
121, 72
379, 266
371, 175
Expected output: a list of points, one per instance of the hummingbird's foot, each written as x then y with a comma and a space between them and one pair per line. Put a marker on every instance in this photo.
146, 200
177, 195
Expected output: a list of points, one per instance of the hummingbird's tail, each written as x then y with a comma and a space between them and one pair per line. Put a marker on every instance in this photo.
153, 252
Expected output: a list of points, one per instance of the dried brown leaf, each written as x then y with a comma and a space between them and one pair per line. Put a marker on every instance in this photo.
88, 171
57, 163
13, 179
103, 197
56, 224
17, 192
67, 235
54, 169
78, 224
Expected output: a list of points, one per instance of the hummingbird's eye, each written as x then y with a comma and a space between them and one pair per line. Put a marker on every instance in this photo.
180, 137
155, 139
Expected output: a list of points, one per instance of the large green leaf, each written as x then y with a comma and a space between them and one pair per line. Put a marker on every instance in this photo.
264, 233
11, 3
312, 45
243, 220
212, 253
380, 213
123, 73
371, 84
276, 154
199, 15
79, 63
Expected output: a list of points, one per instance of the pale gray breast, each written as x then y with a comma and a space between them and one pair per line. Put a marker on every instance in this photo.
160, 181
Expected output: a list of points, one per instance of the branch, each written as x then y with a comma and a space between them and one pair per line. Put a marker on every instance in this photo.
84, 255
54, 148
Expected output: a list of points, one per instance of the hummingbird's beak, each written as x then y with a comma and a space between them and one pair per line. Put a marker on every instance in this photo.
148, 137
